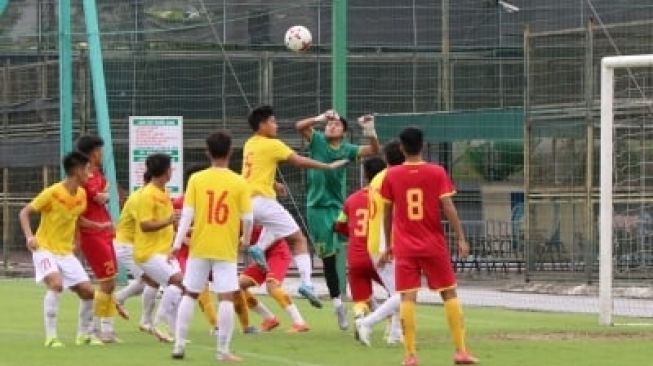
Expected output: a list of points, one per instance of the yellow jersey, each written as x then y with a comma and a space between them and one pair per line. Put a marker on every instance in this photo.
219, 198
152, 204
59, 213
261, 156
376, 242
126, 227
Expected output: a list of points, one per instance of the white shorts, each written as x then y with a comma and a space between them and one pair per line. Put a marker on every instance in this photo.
159, 269
70, 268
386, 274
125, 257
274, 218
225, 275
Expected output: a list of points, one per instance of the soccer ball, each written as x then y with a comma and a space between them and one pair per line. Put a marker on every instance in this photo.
298, 38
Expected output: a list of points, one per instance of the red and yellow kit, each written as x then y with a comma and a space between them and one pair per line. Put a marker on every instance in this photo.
97, 245
418, 242
353, 223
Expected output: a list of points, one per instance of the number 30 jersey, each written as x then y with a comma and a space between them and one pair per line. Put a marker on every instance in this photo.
353, 221
219, 198
416, 190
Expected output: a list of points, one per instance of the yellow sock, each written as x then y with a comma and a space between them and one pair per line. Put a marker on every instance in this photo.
281, 297
361, 309
111, 306
454, 312
407, 315
251, 301
205, 300
102, 304
240, 306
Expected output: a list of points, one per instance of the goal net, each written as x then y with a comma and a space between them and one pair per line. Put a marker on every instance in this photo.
626, 184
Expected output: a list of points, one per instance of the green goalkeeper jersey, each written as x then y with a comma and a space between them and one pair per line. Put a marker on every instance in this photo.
328, 188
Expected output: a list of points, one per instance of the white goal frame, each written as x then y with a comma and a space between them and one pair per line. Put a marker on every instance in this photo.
608, 65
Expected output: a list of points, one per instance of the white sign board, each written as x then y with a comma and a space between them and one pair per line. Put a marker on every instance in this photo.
149, 135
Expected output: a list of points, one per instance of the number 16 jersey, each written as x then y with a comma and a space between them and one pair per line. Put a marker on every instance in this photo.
219, 198
415, 190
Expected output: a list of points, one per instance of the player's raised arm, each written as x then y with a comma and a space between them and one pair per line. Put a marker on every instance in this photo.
308, 163
305, 126
367, 124
451, 213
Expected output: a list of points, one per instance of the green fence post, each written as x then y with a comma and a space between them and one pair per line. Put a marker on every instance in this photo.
65, 80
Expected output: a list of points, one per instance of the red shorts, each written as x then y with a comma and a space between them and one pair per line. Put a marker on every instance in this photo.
437, 270
182, 257
360, 274
278, 257
98, 250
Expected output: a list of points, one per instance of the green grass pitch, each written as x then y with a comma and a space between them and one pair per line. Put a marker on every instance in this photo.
498, 337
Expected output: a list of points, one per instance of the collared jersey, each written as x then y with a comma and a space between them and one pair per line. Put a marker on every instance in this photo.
152, 204
219, 198
355, 214
416, 190
96, 212
261, 156
59, 211
126, 227
376, 242
328, 188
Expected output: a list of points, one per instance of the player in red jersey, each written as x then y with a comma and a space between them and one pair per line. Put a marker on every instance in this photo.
353, 223
97, 245
414, 193
278, 258
204, 300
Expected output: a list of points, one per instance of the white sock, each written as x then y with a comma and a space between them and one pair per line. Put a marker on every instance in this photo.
337, 302
167, 311
106, 325
85, 324
134, 288
50, 312
184, 318
388, 308
294, 314
226, 329
395, 326
304, 267
149, 300
262, 310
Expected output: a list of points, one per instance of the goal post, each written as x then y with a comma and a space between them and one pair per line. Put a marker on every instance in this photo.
606, 203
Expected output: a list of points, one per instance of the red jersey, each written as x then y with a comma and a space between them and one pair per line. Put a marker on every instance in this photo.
355, 215
96, 212
416, 190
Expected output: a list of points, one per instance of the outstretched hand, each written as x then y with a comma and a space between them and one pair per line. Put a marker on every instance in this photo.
338, 164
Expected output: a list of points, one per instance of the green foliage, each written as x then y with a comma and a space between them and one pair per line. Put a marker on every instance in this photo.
496, 161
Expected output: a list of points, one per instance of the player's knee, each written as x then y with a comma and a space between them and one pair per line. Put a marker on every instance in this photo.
192, 295
176, 280
56, 287
298, 242
85, 291
270, 286
244, 283
448, 294
108, 286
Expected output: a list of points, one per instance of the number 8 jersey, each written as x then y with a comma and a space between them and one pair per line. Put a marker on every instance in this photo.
416, 190
219, 198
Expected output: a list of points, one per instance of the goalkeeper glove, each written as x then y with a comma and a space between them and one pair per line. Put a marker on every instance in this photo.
367, 124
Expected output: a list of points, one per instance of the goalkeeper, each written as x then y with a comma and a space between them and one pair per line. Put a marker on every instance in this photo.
327, 190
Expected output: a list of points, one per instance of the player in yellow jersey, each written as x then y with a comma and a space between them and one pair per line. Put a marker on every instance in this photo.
52, 247
376, 246
124, 247
262, 154
217, 201
155, 218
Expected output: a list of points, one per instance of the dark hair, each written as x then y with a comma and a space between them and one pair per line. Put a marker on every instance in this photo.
392, 153
259, 115
372, 167
345, 124
147, 177
157, 164
412, 140
87, 143
73, 160
192, 170
218, 144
